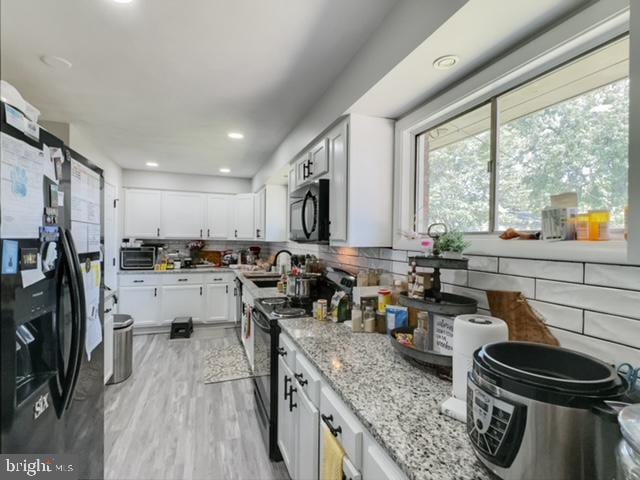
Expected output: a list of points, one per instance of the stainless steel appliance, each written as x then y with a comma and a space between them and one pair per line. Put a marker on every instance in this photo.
535, 411
265, 317
137, 258
309, 213
51, 394
301, 286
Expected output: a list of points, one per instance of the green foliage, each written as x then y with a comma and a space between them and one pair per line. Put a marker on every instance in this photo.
452, 241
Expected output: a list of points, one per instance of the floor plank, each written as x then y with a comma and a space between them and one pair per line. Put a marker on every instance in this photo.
164, 423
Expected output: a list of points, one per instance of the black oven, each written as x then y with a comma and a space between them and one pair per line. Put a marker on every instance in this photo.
309, 213
265, 377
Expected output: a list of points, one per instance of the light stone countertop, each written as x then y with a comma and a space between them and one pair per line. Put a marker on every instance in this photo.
181, 271
395, 400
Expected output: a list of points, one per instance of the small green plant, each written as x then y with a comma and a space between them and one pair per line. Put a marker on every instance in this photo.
452, 241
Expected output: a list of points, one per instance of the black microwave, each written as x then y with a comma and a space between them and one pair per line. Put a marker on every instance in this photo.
309, 213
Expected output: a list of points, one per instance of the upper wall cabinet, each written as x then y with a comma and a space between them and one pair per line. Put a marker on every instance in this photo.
183, 215
218, 207
357, 156
243, 217
271, 213
142, 217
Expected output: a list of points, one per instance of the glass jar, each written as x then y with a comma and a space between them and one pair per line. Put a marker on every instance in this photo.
369, 320
421, 333
628, 453
599, 224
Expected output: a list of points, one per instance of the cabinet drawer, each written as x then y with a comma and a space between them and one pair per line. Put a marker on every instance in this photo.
308, 378
139, 280
333, 412
288, 351
181, 278
222, 277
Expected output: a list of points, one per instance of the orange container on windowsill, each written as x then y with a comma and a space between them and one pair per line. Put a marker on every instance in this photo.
599, 224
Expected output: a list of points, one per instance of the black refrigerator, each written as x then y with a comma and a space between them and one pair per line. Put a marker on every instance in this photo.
52, 391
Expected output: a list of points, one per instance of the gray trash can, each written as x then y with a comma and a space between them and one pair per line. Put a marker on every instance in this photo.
122, 347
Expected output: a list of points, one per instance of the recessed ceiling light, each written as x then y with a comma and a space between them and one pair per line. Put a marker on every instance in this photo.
57, 63
225, 170
122, 1
151, 164
445, 62
235, 135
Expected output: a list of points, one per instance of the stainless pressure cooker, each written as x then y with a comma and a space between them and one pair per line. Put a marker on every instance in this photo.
541, 412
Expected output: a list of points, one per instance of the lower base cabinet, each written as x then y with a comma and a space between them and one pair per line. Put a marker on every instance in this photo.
308, 409
142, 303
182, 301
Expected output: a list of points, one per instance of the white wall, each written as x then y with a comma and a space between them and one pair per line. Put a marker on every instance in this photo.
182, 181
402, 30
80, 140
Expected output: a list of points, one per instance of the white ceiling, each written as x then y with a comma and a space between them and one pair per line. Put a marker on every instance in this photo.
165, 80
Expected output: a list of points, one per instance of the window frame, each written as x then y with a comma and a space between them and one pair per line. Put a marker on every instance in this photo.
494, 133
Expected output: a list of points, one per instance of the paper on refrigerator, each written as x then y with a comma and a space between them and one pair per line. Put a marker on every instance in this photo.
91, 280
21, 174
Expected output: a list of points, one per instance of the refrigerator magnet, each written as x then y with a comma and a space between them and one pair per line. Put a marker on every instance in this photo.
9, 257
28, 258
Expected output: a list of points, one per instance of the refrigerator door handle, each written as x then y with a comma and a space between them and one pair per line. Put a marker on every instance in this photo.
81, 318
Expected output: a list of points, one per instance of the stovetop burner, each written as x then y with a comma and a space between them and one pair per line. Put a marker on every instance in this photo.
288, 312
272, 302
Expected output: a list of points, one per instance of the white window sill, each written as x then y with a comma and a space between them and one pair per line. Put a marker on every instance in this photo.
613, 251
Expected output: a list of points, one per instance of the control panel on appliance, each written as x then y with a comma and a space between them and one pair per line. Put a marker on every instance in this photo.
495, 427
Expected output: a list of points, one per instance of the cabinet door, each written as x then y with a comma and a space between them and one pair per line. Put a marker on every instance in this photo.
302, 174
182, 215
292, 179
378, 464
307, 437
318, 160
338, 201
217, 302
260, 205
286, 425
182, 301
142, 213
142, 303
243, 217
218, 216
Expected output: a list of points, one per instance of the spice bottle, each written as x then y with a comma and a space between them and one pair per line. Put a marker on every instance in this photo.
421, 333
369, 320
356, 319
384, 299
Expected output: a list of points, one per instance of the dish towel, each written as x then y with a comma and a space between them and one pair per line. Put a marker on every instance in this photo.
333, 457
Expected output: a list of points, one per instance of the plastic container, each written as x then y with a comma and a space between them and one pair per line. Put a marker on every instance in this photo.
599, 225
369, 320
421, 333
582, 226
628, 453
384, 299
357, 324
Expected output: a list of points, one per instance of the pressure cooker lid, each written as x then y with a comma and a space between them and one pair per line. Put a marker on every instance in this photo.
549, 367
629, 420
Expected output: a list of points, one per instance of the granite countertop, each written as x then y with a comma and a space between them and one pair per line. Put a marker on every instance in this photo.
396, 401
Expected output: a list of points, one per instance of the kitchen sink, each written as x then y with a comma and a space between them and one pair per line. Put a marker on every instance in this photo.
265, 282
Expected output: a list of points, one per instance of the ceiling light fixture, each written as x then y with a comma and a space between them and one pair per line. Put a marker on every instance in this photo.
235, 135
122, 1
57, 63
151, 164
445, 62
225, 170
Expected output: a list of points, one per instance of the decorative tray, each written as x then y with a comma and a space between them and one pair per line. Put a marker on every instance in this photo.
451, 304
427, 357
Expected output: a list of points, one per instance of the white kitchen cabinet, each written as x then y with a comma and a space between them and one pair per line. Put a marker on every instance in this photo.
217, 302
338, 193
142, 213
183, 215
259, 210
182, 301
243, 217
318, 160
378, 464
301, 165
292, 179
286, 417
142, 303
217, 224
307, 422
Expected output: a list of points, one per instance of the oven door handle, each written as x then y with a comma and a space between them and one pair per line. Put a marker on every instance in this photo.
258, 319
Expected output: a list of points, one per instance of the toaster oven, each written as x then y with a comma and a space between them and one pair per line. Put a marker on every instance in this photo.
137, 258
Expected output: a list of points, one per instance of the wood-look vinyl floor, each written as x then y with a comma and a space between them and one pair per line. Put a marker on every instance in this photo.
164, 423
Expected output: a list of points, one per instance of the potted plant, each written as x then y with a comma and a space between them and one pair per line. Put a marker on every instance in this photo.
452, 244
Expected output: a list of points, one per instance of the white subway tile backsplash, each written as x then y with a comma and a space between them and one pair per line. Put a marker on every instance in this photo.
610, 327
492, 281
565, 271
612, 276
401, 268
486, 264
559, 315
606, 351
601, 299
479, 295
458, 277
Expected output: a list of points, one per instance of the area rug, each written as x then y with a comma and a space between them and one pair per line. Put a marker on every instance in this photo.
226, 360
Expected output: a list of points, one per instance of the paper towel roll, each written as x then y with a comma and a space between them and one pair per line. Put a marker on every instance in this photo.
470, 332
